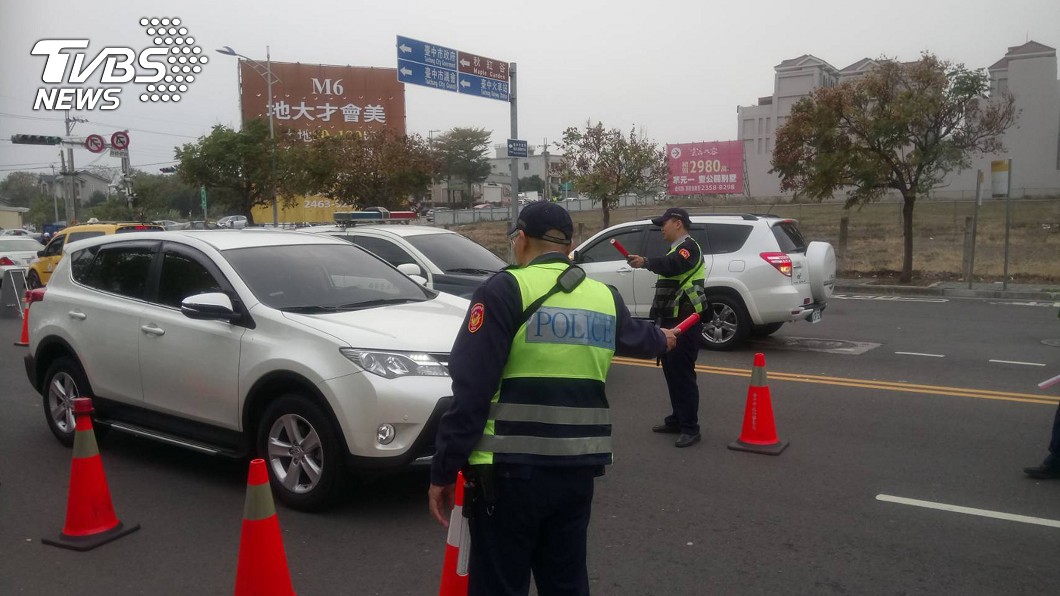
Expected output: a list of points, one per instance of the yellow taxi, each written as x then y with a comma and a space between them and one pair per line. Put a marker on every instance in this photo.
40, 270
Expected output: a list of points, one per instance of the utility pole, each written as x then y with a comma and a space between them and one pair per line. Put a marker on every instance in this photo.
71, 176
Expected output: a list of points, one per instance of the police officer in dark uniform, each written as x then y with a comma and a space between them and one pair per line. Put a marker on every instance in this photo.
678, 294
1049, 469
529, 422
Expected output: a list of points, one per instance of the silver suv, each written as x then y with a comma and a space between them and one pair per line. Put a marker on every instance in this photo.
761, 273
302, 349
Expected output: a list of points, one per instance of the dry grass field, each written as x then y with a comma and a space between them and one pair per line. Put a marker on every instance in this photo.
874, 244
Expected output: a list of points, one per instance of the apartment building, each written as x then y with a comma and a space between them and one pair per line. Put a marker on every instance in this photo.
1028, 71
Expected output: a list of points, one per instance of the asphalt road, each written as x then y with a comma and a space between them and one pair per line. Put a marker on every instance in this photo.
929, 400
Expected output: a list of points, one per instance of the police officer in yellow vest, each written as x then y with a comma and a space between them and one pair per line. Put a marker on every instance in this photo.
678, 294
529, 421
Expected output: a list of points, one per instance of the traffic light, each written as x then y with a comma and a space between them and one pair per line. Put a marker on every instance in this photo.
167, 170
36, 140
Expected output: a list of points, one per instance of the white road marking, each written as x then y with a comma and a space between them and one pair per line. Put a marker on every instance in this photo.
1040, 521
1017, 362
887, 298
919, 354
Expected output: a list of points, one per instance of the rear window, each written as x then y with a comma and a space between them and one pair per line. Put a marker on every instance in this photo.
789, 237
75, 236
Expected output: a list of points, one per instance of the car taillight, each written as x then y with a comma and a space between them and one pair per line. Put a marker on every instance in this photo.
779, 260
6, 261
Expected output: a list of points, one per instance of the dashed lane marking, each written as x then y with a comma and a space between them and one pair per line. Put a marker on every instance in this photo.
1024, 519
1017, 362
920, 354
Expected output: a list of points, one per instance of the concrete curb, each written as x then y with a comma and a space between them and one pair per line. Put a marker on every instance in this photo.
944, 289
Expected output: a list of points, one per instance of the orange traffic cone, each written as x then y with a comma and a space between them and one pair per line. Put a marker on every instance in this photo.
262, 563
457, 547
90, 519
759, 434
24, 341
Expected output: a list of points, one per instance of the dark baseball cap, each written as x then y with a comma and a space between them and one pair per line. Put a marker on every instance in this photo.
673, 212
537, 218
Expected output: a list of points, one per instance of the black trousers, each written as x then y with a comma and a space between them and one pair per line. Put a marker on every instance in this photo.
538, 523
679, 368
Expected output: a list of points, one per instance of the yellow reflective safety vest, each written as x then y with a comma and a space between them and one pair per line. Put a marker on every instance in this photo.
550, 408
670, 289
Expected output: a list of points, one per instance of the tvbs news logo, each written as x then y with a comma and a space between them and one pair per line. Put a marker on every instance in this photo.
165, 69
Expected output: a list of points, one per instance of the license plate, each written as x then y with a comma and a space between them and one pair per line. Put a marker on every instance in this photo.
815, 316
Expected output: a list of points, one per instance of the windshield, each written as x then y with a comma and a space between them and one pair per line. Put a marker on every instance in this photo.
322, 277
16, 244
456, 253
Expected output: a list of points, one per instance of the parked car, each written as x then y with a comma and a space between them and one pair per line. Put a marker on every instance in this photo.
302, 349
16, 232
448, 261
761, 272
169, 224
432, 212
201, 225
41, 268
16, 252
234, 222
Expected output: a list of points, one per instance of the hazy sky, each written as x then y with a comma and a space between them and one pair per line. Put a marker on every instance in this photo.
676, 69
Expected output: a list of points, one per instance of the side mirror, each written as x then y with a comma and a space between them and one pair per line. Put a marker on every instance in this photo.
209, 307
40, 253
410, 269
573, 256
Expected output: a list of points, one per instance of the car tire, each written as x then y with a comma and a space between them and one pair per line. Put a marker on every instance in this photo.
63, 381
307, 480
33, 280
726, 323
766, 330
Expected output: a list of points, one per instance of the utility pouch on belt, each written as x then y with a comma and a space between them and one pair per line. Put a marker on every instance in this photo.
483, 486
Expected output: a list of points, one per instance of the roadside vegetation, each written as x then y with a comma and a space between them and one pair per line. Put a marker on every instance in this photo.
874, 246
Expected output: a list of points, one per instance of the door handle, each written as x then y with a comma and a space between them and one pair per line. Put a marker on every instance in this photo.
624, 269
152, 330
80, 316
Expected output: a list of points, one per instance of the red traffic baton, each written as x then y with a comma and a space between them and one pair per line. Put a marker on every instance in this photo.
685, 324
618, 246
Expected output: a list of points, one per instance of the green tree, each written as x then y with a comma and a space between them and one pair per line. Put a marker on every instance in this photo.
605, 164
113, 209
20, 188
246, 162
901, 127
532, 183
159, 196
381, 169
463, 153
42, 210
96, 198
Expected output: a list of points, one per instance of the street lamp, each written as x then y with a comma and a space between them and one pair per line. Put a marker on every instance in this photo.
265, 70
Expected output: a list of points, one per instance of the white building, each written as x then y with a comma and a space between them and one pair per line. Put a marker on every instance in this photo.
1028, 71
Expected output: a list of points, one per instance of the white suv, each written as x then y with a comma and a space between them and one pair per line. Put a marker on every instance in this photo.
450, 262
305, 350
761, 273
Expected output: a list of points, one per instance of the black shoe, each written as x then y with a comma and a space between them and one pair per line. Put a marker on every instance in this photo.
665, 429
1042, 472
685, 440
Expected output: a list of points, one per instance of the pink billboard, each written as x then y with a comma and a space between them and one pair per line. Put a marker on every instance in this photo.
713, 168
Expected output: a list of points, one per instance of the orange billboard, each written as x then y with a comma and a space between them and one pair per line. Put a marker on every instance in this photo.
308, 98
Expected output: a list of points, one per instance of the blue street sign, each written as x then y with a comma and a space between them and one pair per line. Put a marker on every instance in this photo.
475, 85
422, 63
426, 53
428, 76
516, 148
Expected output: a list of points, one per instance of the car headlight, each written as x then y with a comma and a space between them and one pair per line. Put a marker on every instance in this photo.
395, 364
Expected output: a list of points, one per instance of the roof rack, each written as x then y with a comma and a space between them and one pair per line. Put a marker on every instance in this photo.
747, 216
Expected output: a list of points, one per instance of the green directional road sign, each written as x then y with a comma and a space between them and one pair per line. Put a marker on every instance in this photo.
202, 194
